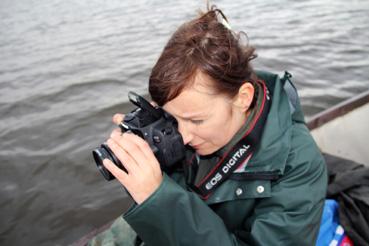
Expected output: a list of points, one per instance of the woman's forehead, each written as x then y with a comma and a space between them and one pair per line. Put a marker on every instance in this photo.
203, 83
191, 102
198, 99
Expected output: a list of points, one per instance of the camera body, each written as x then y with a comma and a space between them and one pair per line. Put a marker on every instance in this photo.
156, 126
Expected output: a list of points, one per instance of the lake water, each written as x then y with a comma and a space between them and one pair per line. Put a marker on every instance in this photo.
66, 67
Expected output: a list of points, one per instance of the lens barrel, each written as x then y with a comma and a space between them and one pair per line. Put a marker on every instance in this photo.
104, 152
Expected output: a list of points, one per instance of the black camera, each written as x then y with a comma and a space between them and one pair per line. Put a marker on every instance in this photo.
153, 124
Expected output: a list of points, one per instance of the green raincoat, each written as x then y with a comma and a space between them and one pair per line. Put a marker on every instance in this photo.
283, 211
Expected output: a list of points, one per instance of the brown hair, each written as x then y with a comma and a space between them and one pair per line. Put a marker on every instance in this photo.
204, 45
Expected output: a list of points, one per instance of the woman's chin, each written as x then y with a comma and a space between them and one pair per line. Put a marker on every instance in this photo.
204, 151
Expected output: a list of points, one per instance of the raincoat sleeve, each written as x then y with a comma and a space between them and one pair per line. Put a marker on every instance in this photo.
174, 216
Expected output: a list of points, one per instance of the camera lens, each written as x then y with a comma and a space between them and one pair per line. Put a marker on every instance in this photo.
104, 152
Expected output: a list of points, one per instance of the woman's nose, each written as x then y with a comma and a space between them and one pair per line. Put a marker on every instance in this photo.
185, 132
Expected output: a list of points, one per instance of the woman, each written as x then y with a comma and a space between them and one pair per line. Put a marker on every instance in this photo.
253, 174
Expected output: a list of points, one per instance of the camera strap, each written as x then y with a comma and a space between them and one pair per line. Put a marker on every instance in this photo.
238, 155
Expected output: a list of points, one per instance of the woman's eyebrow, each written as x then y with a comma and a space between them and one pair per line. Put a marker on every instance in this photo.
191, 116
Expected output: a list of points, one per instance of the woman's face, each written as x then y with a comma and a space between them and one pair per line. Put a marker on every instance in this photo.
206, 120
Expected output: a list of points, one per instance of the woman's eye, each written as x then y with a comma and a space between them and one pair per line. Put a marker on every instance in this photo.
197, 122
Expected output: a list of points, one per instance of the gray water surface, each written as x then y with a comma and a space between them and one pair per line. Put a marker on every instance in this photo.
66, 67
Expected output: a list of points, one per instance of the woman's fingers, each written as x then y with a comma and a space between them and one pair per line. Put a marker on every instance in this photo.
126, 160
116, 131
143, 174
118, 118
129, 146
143, 147
116, 171
154, 104
137, 148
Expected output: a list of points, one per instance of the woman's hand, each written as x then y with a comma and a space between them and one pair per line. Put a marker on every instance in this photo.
143, 174
117, 118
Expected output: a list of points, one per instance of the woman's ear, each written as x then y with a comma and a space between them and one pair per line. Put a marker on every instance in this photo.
244, 97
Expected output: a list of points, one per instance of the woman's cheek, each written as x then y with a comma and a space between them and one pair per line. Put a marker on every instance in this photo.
205, 133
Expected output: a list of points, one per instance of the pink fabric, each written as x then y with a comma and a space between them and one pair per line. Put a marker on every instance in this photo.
346, 241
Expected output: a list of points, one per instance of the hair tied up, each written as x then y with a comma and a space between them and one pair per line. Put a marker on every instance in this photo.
214, 11
205, 45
